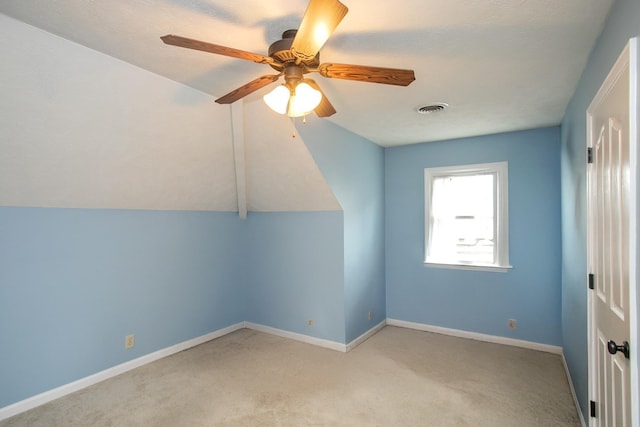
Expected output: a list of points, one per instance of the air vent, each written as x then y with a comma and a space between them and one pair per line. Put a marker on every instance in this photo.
433, 108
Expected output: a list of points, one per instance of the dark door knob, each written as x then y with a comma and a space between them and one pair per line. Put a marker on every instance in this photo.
614, 348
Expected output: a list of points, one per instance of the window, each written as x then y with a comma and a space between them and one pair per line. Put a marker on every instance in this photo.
466, 216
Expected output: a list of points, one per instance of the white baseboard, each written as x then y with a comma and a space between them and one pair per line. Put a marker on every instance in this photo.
476, 336
362, 338
333, 345
48, 396
573, 391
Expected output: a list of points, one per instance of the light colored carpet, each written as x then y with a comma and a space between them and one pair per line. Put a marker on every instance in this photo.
399, 377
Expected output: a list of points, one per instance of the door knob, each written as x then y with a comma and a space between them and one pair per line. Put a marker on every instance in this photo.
614, 348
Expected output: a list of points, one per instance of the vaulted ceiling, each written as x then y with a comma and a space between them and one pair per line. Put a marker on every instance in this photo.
500, 65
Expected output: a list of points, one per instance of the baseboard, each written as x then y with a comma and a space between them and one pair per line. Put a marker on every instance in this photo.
476, 336
573, 391
333, 345
48, 396
362, 338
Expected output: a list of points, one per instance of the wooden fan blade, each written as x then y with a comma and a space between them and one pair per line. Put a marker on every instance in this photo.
388, 76
245, 90
215, 48
318, 23
324, 109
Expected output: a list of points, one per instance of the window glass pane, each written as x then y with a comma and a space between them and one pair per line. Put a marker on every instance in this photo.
463, 223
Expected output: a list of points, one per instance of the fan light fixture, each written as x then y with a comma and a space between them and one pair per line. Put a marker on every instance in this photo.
293, 56
294, 100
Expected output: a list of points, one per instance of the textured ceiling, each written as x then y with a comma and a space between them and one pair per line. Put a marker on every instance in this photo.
501, 65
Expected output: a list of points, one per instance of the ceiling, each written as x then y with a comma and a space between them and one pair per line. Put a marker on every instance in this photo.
501, 65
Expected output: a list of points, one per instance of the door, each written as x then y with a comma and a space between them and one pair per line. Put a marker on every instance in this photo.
609, 248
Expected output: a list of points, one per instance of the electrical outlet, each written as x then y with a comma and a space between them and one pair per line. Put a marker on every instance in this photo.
310, 322
370, 315
512, 323
129, 341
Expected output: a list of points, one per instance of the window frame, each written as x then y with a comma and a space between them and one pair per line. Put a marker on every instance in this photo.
501, 213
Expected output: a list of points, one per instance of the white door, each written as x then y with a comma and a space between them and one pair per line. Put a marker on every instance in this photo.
609, 247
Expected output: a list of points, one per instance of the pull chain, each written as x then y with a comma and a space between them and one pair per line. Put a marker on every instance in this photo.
293, 124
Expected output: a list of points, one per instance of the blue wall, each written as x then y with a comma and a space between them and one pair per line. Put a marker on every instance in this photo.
74, 282
354, 169
471, 300
622, 24
294, 272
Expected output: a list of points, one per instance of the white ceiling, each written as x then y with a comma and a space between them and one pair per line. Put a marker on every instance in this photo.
501, 65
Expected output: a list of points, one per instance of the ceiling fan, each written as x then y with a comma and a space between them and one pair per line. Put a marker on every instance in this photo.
295, 55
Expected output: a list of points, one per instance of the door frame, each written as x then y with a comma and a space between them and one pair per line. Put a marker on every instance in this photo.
628, 58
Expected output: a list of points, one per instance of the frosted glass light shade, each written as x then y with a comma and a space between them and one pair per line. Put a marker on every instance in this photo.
302, 101
278, 99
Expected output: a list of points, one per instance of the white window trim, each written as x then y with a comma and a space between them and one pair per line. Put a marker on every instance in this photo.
502, 210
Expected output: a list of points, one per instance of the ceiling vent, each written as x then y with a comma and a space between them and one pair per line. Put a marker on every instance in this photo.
433, 108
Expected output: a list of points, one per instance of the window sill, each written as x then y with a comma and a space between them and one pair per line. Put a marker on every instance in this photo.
472, 267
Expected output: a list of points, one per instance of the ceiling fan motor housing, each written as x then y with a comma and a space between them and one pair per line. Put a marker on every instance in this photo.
281, 52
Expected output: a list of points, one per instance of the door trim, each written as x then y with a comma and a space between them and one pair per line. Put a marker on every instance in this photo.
628, 58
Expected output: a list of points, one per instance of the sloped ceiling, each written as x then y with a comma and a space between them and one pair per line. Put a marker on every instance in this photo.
79, 129
501, 65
